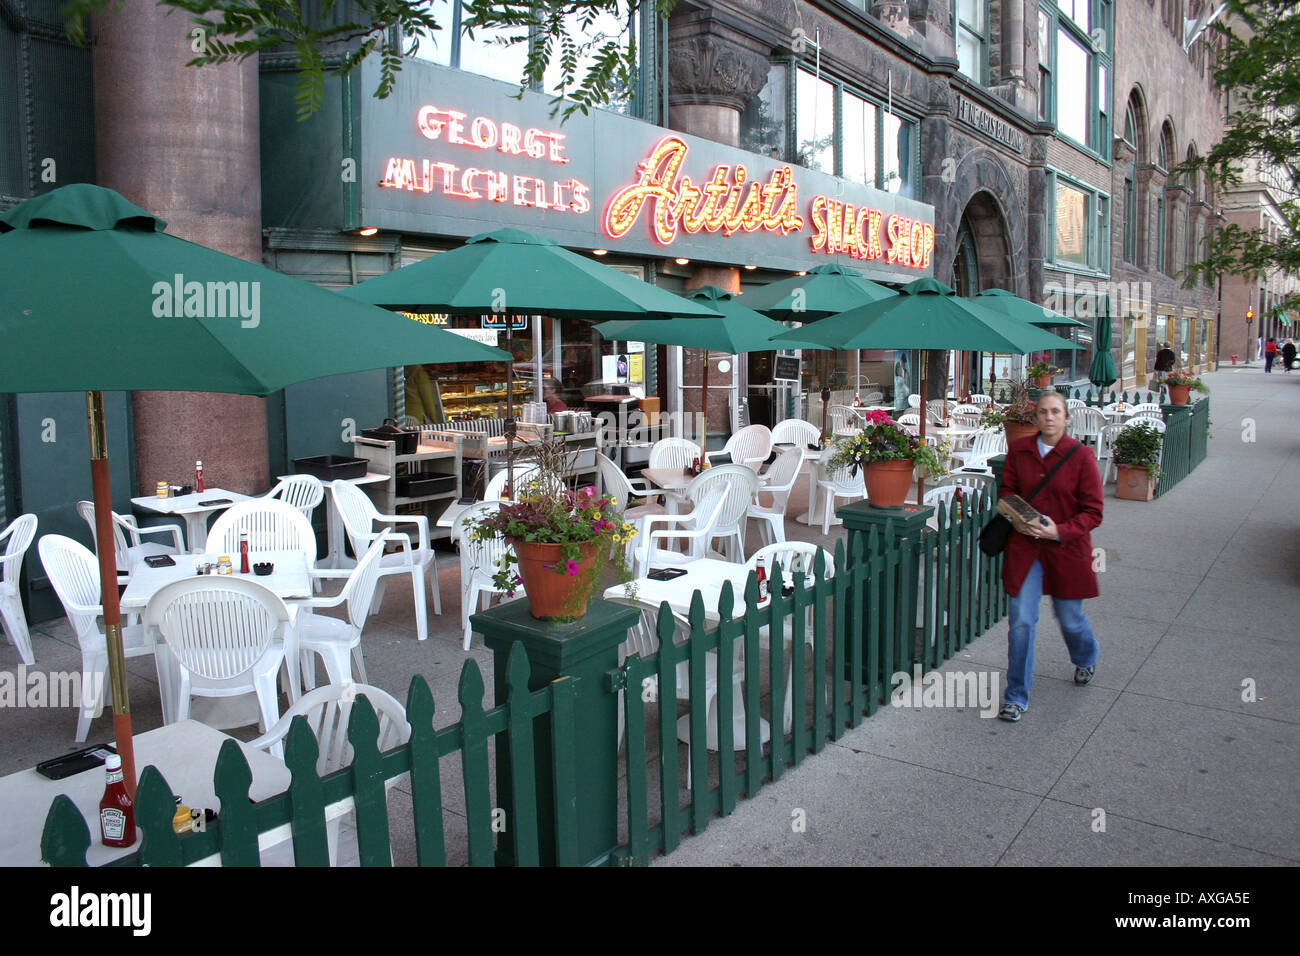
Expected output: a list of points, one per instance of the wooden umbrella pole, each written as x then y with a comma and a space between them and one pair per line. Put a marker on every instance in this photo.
704, 406
510, 411
108, 587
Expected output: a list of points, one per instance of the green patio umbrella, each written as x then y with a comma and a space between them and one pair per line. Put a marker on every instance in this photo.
1102, 372
1013, 307
926, 314
95, 296
825, 290
736, 330
512, 272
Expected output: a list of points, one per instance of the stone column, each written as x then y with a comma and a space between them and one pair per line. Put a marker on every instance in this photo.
1176, 198
182, 143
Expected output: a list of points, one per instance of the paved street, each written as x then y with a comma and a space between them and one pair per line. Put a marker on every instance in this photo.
1199, 596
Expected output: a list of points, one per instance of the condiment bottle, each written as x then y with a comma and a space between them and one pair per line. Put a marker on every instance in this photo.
198, 477
223, 564
163, 489
760, 575
695, 465
857, 401
116, 813
243, 552
957, 500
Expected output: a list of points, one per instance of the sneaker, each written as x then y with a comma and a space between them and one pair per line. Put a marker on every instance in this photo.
1083, 675
1010, 712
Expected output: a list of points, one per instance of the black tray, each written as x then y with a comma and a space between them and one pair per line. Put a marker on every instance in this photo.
417, 486
330, 467
406, 441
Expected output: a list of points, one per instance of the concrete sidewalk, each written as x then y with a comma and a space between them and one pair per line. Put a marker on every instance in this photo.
1159, 762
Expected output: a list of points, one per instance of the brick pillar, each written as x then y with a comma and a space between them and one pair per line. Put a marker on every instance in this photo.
182, 143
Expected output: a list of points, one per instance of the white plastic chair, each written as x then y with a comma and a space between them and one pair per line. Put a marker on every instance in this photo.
803, 435
985, 445
981, 484
1147, 414
272, 525
129, 556
335, 639
225, 636
843, 418
20, 533
1147, 407
1086, 425
871, 398
741, 484
415, 558
496, 487
673, 453
911, 421
751, 447
74, 574
304, 492
1073, 403
696, 529
838, 483
914, 401
327, 711
614, 482
1106, 450
478, 562
979, 398
781, 479
938, 409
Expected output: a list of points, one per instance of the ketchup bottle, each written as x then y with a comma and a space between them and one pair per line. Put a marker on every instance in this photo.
695, 465
760, 575
116, 812
198, 477
243, 552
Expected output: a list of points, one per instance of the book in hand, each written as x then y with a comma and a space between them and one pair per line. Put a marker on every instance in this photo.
1019, 512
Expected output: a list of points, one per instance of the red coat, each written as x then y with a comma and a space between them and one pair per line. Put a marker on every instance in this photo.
1072, 499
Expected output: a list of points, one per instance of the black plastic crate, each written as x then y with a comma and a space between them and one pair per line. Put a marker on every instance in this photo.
417, 486
330, 467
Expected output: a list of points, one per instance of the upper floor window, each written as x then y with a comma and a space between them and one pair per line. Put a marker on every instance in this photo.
845, 133
1080, 225
1074, 70
970, 27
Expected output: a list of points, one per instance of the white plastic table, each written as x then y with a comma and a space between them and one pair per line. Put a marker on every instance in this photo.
192, 510
186, 755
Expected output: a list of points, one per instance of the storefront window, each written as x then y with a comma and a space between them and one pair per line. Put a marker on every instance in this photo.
1071, 225
815, 122
1204, 350
859, 119
1184, 340
1128, 350
762, 124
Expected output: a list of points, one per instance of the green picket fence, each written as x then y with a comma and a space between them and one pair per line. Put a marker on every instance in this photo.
869, 610
863, 614
234, 836
1186, 442
1095, 398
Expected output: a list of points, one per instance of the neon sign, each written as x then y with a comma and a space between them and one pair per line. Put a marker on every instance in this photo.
493, 185
839, 227
715, 206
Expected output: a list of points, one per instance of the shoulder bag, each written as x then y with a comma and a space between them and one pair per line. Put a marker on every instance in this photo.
994, 535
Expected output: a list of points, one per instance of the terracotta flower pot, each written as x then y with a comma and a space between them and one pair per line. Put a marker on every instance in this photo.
1134, 483
1179, 394
554, 594
887, 482
1017, 430
1043, 381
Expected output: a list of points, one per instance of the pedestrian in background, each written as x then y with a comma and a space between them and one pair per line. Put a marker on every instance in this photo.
1165, 360
1288, 355
1054, 557
1270, 353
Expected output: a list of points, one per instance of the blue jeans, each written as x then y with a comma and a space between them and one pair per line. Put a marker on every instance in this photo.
1020, 642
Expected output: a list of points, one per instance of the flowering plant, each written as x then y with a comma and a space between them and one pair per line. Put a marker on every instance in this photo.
1041, 366
544, 511
883, 439
1188, 379
1019, 410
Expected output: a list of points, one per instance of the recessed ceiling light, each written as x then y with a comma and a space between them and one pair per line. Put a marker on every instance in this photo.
751, 266
801, 273
599, 252
682, 262
367, 231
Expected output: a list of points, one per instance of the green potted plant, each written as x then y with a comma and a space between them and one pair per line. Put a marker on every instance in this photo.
1137, 456
1017, 418
887, 453
1041, 371
559, 539
1181, 385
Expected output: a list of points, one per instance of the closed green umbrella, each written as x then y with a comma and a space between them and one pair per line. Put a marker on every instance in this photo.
1102, 373
926, 314
736, 330
95, 296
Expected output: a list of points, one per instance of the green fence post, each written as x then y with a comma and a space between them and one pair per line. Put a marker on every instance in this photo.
583, 650
894, 525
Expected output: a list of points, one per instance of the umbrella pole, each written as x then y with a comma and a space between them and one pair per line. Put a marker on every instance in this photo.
704, 407
510, 411
925, 414
108, 587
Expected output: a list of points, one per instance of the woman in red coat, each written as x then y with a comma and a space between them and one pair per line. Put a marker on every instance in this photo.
1054, 558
